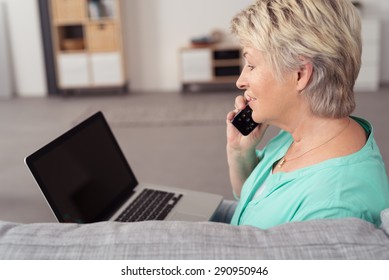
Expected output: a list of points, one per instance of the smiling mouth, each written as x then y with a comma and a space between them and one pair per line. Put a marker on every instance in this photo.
249, 98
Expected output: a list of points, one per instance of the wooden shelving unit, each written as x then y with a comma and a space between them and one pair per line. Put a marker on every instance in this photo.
87, 44
209, 65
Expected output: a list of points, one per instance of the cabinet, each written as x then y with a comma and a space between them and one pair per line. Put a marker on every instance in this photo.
213, 65
369, 75
87, 43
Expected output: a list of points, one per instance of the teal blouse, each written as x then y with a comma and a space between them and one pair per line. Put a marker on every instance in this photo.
351, 186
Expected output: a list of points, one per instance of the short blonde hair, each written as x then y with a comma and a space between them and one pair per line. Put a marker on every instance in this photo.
326, 32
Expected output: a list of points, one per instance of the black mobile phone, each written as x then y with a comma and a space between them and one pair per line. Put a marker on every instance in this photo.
243, 121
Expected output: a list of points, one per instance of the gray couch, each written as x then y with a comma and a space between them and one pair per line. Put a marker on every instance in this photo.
348, 238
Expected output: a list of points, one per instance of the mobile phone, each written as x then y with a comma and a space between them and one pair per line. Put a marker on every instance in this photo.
244, 122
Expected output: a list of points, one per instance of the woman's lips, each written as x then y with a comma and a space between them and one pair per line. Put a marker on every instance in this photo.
250, 98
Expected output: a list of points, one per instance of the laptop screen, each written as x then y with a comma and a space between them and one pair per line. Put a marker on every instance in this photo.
83, 173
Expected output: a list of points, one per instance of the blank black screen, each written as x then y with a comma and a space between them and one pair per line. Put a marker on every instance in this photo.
83, 173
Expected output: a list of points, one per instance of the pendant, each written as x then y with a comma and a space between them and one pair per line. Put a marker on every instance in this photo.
281, 162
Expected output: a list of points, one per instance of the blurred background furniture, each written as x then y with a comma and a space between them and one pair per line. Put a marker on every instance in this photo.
85, 43
218, 64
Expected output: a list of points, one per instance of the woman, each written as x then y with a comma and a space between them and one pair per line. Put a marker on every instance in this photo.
301, 62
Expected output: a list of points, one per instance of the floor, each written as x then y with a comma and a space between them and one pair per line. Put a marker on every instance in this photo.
190, 157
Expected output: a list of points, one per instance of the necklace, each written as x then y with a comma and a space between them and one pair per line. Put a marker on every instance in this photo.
284, 160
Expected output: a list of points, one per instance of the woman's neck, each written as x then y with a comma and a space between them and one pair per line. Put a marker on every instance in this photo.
310, 131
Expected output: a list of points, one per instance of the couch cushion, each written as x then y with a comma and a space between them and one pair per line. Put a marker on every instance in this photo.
385, 220
320, 239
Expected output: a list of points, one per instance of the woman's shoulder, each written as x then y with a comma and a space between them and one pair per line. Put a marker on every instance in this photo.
364, 123
354, 176
354, 139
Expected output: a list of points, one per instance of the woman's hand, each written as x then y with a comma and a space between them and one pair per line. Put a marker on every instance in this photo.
241, 153
235, 140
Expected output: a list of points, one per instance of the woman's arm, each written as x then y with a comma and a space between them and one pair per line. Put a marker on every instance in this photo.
240, 167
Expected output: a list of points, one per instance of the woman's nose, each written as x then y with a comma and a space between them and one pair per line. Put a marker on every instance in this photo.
240, 83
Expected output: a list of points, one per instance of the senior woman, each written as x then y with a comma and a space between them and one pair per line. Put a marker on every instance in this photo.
302, 58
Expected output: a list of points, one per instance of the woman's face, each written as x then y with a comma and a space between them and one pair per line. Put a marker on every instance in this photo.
271, 100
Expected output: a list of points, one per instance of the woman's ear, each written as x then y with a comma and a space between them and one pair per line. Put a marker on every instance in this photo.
304, 74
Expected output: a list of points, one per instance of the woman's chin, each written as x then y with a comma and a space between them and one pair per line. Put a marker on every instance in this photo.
257, 117
257, 120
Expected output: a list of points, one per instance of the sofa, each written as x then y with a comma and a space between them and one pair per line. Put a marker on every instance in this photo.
347, 238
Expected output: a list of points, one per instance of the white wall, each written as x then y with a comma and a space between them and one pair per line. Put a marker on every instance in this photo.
156, 29
380, 9
6, 82
26, 47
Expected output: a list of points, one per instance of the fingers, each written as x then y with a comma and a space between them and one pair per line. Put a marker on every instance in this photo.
240, 102
231, 115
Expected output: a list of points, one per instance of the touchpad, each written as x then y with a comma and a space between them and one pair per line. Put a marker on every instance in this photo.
179, 216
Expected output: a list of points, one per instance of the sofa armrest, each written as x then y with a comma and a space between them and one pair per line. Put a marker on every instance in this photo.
321, 239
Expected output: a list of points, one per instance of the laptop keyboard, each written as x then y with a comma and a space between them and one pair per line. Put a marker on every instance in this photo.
150, 205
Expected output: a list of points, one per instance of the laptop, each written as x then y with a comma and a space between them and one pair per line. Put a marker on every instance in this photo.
85, 178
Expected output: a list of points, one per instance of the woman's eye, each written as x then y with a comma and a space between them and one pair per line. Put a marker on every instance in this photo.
250, 67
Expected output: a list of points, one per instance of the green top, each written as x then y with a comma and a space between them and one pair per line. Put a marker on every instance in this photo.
351, 186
